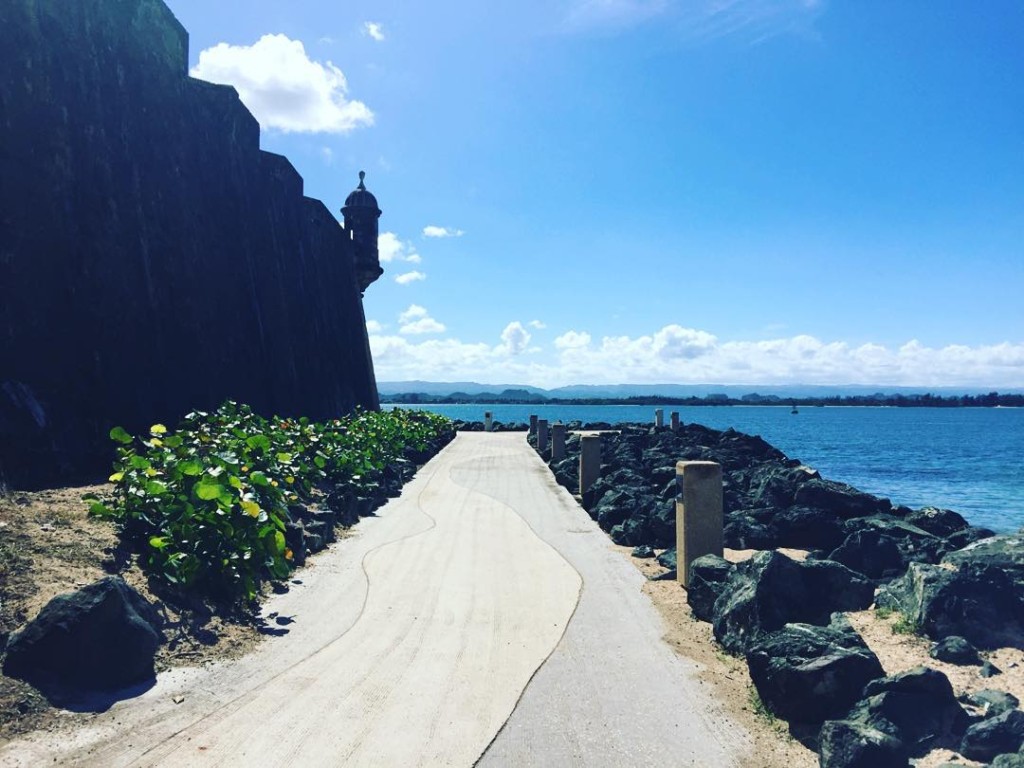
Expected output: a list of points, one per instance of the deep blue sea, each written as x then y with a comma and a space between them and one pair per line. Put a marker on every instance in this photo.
967, 459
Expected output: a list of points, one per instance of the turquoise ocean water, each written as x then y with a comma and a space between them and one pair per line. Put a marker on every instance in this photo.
967, 459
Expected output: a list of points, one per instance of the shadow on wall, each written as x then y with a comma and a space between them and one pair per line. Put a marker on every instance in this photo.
152, 259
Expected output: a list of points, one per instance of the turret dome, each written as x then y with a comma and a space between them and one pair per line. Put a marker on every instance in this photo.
360, 197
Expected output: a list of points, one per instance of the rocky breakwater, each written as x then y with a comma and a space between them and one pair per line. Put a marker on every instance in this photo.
959, 585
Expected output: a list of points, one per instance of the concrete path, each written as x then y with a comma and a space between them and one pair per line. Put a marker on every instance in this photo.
481, 617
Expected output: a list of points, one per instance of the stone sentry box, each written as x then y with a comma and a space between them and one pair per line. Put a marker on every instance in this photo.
699, 521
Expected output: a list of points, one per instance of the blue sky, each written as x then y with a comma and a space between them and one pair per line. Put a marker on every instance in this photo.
709, 191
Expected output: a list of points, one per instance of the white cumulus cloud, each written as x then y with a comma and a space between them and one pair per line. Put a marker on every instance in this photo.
409, 277
414, 312
537, 325
515, 338
283, 87
434, 231
572, 340
391, 248
374, 29
421, 326
372, 326
416, 320
676, 354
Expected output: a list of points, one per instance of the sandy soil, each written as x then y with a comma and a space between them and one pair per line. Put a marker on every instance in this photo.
725, 675
731, 685
49, 545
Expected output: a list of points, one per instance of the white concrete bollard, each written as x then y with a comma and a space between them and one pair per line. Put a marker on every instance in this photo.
488, 421
675, 421
659, 417
699, 520
557, 441
533, 424
590, 461
542, 435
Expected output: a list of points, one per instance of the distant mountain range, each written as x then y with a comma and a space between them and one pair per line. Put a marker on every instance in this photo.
524, 392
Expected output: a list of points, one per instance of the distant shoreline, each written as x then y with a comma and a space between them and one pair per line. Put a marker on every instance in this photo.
991, 400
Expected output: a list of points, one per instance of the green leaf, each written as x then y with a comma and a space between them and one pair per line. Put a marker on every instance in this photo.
260, 479
284, 458
258, 442
155, 487
99, 509
139, 462
117, 477
208, 491
320, 461
174, 441
191, 468
157, 542
118, 435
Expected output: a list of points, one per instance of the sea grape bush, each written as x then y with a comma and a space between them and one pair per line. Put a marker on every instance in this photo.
207, 504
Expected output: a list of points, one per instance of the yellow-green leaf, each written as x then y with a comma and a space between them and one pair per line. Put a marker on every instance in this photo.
208, 491
251, 508
158, 429
117, 477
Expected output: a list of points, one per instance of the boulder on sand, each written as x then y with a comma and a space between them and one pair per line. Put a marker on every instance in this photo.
978, 601
771, 590
849, 744
709, 576
101, 638
807, 674
916, 707
997, 735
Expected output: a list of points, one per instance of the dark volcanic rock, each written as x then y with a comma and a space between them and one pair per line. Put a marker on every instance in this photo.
807, 528
994, 736
1014, 760
988, 669
917, 707
916, 545
993, 702
643, 552
101, 638
808, 674
1003, 552
849, 744
771, 590
938, 522
708, 579
968, 536
667, 559
776, 486
955, 650
979, 602
840, 499
871, 552
744, 531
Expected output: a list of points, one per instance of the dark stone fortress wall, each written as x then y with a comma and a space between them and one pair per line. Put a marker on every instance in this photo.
152, 259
